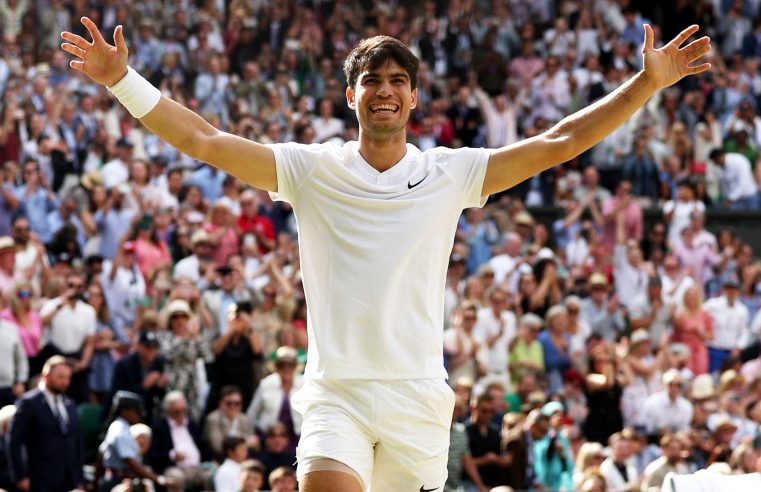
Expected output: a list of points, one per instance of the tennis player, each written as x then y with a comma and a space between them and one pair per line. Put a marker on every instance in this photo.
377, 219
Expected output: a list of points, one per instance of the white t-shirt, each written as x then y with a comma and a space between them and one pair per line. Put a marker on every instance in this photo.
70, 326
375, 249
488, 326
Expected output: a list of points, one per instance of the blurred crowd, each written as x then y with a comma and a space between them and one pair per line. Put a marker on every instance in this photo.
152, 316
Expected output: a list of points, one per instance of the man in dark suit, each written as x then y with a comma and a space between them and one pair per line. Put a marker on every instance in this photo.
46, 427
177, 450
141, 372
519, 444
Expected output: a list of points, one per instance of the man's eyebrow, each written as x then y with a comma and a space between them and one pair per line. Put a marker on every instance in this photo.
391, 76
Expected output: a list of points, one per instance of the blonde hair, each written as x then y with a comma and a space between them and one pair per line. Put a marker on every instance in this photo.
13, 300
586, 451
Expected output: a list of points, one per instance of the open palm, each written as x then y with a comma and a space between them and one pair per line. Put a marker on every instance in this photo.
669, 64
102, 62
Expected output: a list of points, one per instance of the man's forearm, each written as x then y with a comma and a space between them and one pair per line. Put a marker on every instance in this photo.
590, 125
178, 126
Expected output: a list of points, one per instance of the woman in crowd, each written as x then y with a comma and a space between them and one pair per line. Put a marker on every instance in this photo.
590, 456
646, 372
607, 377
692, 327
182, 345
223, 232
22, 314
151, 250
556, 345
108, 341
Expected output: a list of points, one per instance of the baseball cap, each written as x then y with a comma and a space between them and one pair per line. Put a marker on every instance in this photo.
639, 336
523, 218
552, 407
127, 399
149, 338
598, 279
286, 354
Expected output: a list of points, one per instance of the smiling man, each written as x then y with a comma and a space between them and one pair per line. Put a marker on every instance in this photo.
377, 220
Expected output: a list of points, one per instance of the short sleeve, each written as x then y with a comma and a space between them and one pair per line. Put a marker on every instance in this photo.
293, 164
126, 447
467, 168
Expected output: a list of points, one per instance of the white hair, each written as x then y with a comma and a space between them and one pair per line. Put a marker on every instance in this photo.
140, 430
172, 397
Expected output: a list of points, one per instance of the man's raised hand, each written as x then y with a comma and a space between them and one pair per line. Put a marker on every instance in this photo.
667, 65
102, 62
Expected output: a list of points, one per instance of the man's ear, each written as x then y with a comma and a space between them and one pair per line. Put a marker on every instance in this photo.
413, 104
350, 98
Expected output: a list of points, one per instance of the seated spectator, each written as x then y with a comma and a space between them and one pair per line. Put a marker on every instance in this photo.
283, 479
619, 475
251, 478
526, 352
177, 450
275, 452
667, 410
520, 446
670, 462
227, 421
227, 476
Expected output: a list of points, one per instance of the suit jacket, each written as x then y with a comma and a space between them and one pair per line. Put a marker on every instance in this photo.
162, 444
54, 458
516, 445
217, 428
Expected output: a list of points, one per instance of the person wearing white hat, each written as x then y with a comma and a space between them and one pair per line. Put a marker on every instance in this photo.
190, 266
667, 409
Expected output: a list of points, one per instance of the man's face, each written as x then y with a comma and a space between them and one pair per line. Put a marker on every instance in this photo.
240, 453
285, 484
383, 99
539, 430
58, 379
178, 410
251, 481
232, 404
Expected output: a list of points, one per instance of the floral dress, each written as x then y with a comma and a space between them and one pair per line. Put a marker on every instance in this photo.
181, 356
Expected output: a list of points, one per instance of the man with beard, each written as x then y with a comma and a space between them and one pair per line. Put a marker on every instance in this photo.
45, 449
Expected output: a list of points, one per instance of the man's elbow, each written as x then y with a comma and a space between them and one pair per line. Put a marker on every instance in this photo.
563, 147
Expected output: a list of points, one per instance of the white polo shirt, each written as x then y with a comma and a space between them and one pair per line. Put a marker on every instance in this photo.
375, 249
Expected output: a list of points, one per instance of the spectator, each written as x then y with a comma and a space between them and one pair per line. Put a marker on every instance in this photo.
589, 456
693, 326
730, 320
124, 285
607, 377
667, 410
238, 353
669, 462
272, 401
553, 461
177, 450
223, 234
182, 346
495, 330
21, 315
632, 214
283, 479
484, 442
196, 266
120, 451
276, 452
142, 372
14, 372
619, 475
738, 185
526, 353
646, 372
113, 220
107, 339
72, 325
36, 200
556, 346
227, 476
45, 452
601, 311
520, 445
678, 212
251, 477
465, 354
228, 421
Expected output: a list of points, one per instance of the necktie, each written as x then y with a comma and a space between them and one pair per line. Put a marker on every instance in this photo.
60, 412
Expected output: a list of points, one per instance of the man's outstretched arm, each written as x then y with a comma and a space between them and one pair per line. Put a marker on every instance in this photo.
180, 127
578, 132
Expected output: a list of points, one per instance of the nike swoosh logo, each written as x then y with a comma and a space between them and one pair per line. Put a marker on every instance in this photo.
410, 186
423, 489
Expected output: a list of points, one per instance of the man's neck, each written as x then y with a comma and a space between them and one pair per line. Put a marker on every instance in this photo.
383, 154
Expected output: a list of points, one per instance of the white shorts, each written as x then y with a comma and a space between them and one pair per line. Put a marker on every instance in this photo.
393, 434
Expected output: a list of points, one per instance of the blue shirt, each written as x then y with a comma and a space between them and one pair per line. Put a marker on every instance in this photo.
119, 446
36, 207
112, 226
210, 181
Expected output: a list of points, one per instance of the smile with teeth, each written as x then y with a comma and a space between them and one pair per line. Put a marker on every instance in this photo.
384, 108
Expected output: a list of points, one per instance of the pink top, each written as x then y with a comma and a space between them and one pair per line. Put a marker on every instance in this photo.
30, 337
148, 255
633, 221
228, 243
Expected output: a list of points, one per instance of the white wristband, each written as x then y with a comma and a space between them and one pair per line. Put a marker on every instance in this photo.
136, 94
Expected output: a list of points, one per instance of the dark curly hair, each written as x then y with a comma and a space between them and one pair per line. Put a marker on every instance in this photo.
372, 52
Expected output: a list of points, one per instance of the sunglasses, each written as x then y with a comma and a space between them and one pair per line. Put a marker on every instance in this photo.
233, 403
24, 294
